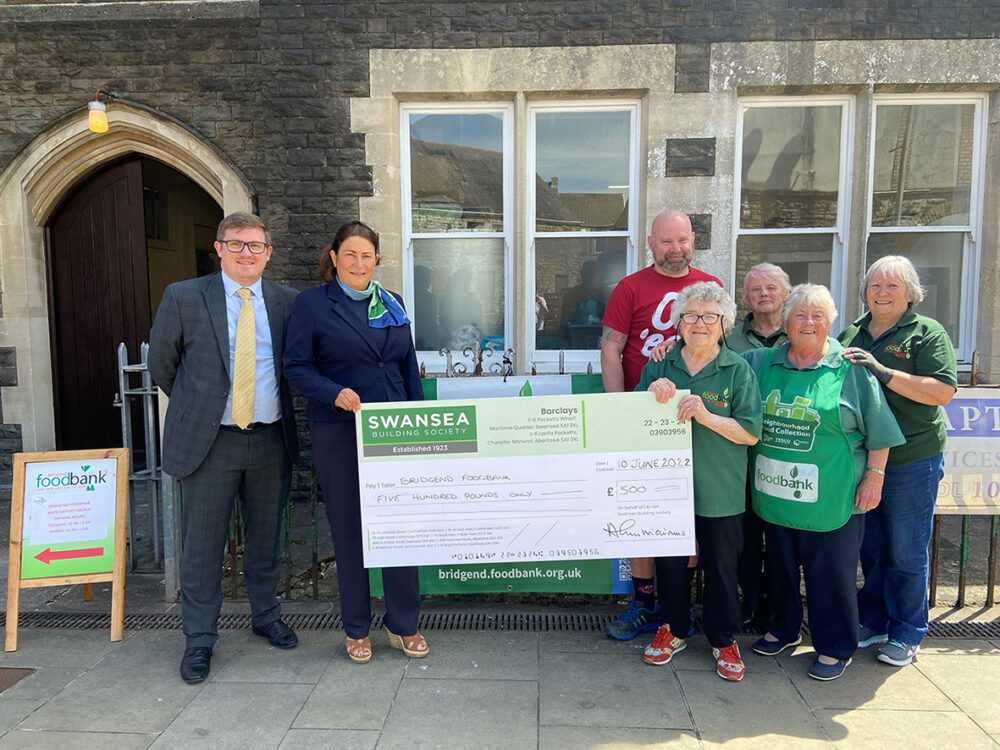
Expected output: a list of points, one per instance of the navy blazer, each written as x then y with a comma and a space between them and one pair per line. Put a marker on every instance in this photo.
327, 350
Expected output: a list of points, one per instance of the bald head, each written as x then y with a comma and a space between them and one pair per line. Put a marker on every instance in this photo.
670, 215
671, 241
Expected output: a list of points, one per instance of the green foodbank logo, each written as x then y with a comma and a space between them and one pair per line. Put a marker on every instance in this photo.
85, 480
789, 481
426, 429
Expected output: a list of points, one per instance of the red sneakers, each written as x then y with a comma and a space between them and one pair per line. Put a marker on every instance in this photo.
728, 664
665, 644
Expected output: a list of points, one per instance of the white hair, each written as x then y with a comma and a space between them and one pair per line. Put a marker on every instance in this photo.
810, 295
772, 271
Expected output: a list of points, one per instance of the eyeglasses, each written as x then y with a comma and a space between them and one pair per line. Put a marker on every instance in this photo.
236, 246
709, 319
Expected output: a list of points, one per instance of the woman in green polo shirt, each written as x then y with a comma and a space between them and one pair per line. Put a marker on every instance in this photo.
912, 356
725, 411
817, 468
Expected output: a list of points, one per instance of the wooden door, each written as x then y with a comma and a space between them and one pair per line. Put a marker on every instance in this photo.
99, 297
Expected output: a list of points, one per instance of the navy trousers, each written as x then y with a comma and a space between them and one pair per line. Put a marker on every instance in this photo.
335, 459
829, 561
719, 543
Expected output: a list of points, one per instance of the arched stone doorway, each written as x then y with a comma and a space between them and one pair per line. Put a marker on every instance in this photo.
114, 245
33, 188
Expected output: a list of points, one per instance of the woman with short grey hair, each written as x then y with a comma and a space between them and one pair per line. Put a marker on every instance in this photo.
912, 356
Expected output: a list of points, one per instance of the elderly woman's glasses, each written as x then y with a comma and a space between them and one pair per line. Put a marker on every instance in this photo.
236, 246
709, 319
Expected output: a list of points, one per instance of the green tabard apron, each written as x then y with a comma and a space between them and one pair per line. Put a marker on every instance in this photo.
803, 467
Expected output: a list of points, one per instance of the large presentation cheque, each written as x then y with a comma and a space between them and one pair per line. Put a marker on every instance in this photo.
525, 479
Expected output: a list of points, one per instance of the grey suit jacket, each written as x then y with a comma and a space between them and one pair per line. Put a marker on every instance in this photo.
189, 360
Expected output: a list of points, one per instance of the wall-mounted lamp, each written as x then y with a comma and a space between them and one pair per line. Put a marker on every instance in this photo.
97, 115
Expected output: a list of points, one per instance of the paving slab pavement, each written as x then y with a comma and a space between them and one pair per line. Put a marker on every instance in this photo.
484, 689
476, 689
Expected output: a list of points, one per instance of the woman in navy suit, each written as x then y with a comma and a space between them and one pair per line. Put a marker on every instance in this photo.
349, 343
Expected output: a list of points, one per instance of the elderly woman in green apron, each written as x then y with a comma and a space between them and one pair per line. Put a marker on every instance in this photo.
817, 469
725, 411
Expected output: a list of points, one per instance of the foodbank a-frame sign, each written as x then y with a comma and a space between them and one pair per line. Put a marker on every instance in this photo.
68, 518
67, 526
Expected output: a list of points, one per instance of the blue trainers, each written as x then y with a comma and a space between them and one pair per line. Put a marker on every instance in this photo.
633, 621
897, 654
765, 647
869, 637
826, 672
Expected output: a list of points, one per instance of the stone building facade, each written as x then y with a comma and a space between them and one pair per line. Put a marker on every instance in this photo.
765, 119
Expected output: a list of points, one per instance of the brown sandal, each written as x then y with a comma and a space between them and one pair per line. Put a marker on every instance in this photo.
359, 649
413, 646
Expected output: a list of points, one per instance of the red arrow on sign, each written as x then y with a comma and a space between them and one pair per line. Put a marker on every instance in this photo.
47, 555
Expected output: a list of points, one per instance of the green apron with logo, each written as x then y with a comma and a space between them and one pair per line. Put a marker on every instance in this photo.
803, 467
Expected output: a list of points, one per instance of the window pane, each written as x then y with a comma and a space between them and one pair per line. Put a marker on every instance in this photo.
573, 280
938, 258
923, 164
791, 167
458, 295
582, 171
456, 172
805, 257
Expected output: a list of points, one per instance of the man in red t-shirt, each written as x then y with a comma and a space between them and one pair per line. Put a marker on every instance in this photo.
636, 319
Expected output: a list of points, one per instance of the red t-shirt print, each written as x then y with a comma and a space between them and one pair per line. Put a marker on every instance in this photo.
640, 307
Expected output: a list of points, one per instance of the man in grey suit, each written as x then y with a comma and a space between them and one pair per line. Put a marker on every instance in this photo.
208, 332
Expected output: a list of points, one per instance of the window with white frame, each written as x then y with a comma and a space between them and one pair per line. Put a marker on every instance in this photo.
457, 223
926, 177
792, 188
578, 191
582, 227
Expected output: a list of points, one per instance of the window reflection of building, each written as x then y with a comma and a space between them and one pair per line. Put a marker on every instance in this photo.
926, 193
456, 188
456, 170
458, 219
791, 210
585, 158
559, 262
923, 193
923, 165
791, 167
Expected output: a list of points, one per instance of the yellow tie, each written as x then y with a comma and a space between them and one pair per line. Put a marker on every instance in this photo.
245, 362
